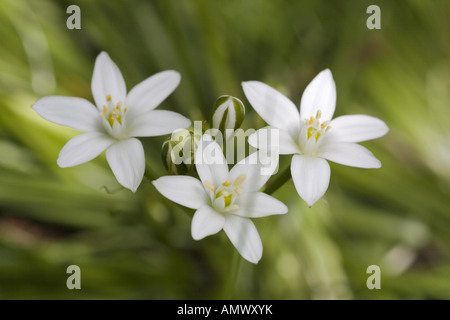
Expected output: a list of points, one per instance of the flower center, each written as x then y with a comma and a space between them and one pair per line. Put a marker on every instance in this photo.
315, 128
113, 113
224, 197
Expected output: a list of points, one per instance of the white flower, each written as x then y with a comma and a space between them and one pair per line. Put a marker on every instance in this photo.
224, 199
115, 121
311, 135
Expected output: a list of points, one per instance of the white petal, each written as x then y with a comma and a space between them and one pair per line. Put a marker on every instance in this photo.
156, 123
349, 154
287, 143
184, 190
244, 236
357, 128
311, 177
107, 80
320, 94
206, 222
271, 137
257, 169
277, 110
148, 94
210, 162
83, 148
258, 204
127, 161
76, 113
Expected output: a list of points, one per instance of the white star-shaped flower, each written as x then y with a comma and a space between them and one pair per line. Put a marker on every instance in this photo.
224, 199
311, 135
115, 121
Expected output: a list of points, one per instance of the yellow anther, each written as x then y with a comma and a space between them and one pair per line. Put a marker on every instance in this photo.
310, 132
208, 185
317, 136
226, 183
105, 110
315, 128
325, 124
114, 116
108, 97
111, 119
239, 180
227, 199
223, 193
318, 114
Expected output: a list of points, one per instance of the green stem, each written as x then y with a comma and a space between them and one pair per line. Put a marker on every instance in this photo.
233, 274
279, 181
149, 174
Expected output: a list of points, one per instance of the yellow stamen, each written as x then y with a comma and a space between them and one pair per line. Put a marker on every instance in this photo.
310, 132
227, 199
223, 193
311, 120
111, 119
326, 123
239, 180
226, 183
105, 110
318, 114
108, 97
317, 136
238, 190
208, 185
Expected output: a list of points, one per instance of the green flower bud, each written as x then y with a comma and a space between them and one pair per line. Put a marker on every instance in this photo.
178, 152
228, 113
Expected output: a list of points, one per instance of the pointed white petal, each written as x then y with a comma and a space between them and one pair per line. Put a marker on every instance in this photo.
107, 80
258, 204
277, 110
210, 162
76, 113
184, 190
349, 154
83, 148
127, 161
357, 128
311, 177
205, 222
244, 236
148, 94
320, 94
271, 137
157, 123
257, 169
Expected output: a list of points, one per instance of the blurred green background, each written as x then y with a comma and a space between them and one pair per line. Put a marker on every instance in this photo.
138, 246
